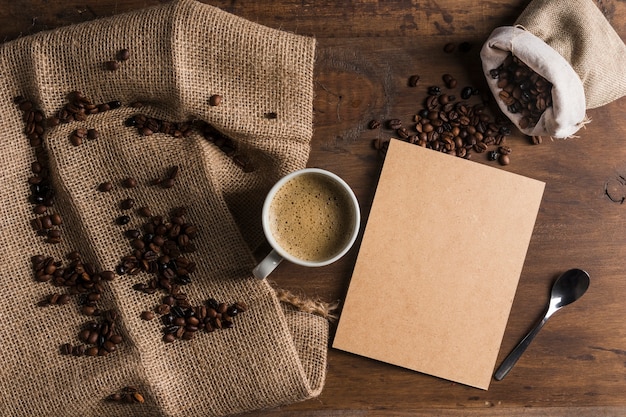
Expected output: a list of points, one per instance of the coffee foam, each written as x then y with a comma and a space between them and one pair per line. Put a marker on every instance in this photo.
312, 217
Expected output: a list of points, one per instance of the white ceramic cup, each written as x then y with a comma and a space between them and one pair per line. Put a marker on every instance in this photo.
350, 216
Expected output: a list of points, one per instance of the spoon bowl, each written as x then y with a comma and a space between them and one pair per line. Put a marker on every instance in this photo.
569, 287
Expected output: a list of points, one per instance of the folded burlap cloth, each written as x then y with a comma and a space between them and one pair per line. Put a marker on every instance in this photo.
181, 54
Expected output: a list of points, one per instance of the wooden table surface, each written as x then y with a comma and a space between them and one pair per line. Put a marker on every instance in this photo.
366, 52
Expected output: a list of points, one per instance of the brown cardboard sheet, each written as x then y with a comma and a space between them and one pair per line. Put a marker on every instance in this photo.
439, 264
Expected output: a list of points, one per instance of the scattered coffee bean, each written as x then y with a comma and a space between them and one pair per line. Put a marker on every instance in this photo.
66, 349
105, 187
167, 183
446, 125
56, 219
122, 220
81, 280
127, 204
112, 65
215, 100
449, 48
147, 315
144, 211
123, 55
434, 90
374, 124
466, 93
504, 160
92, 134
414, 80
76, 138
449, 81
129, 182
271, 115
394, 124
128, 395
172, 172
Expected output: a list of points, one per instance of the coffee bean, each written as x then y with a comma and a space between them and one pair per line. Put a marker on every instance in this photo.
215, 100
394, 124
76, 140
403, 132
172, 172
66, 349
132, 233
123, 55
449, 47
105, 187
147, 315
374, 124
122, 220
92, 134
504, 159
434, 90
78, 350
129, 182
127, 204
111, 65
413, 80
167, 183
144, 211
449, 81
56, 219
466, 93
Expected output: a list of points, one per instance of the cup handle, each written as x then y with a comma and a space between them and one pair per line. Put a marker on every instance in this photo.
267, 265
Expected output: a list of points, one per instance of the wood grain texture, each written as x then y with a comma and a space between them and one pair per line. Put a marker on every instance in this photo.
366, 52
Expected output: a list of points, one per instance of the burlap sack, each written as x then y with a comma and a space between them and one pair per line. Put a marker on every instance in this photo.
181, 54
572, 45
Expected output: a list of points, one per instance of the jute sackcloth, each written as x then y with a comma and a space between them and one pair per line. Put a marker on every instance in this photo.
572, 45
182, 53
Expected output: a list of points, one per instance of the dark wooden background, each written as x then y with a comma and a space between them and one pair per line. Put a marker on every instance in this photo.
366, 52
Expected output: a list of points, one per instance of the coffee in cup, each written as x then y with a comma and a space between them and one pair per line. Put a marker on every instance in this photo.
310, 217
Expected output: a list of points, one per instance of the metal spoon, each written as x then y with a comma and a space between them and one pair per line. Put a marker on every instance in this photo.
568, 288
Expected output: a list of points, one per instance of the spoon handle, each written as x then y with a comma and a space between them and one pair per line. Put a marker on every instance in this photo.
516, 353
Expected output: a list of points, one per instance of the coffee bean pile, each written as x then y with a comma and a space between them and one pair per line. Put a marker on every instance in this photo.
99, 337
447, 125
147, 126
159, 249
182, 322
41, 190
128, 395
79, 107
86, 284
523, 91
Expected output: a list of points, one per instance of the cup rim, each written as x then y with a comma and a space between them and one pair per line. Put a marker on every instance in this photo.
282, 252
